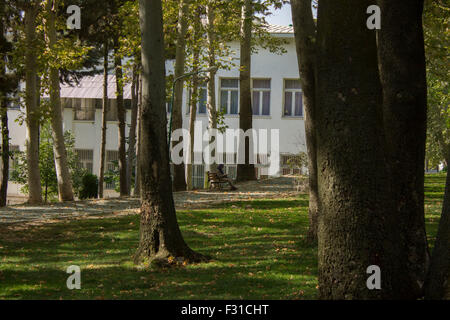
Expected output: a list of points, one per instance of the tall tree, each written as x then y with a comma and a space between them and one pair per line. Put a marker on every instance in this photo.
357, 224
32, 106
179, 177
65, 191
131, 152
305, 40
401, 57
246, 171
160, 235
105, 107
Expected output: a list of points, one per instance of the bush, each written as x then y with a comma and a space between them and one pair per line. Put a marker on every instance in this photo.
89, 186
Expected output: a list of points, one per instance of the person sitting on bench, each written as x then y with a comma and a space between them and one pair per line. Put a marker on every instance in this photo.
222, 175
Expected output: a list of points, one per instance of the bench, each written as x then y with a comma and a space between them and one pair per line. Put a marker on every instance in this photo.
215, 181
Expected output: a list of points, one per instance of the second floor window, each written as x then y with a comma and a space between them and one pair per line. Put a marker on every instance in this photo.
293, 99
202, 99
261, 97
229, 96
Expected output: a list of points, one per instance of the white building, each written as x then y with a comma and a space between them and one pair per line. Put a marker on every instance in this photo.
277, 100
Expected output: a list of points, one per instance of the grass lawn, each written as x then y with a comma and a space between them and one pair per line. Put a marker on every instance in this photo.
258, 252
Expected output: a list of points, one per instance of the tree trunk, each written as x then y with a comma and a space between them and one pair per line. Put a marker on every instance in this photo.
211, 101
357, 225
437, 285
179, 177
105, 106
131, 153
246, 171
32, 108
403, 77
137, 179
4, 117
121, 118
305, 40
160, 235
65, 191
4, 148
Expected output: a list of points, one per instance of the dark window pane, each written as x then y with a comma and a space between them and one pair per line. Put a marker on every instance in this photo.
292, 84
261, 84
230, 83
224, 101
288, 103
299, 104
255, 102
202, 101
266, 103
234, 108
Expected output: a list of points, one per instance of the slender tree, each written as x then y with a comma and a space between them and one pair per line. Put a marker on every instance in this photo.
32, 106
65, 191
131, 152
305, 40
160, 235
246, 171
105, 107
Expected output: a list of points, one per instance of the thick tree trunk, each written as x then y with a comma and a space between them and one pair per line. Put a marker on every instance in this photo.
211, 100
246, 171
105, 106
437, 285
131, 153
121, 117
32, 108
179, 176
403, 77
65, 191
305, 40
357, 225
160, 235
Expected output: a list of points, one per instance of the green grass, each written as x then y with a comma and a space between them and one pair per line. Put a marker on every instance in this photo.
258, 251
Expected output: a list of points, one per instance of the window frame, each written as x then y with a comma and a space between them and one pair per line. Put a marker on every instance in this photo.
261, 95
293, 91
229, 90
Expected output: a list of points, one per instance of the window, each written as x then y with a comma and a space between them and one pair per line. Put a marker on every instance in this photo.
293, 99
13, 159
202, 99
85, 159
229, 96
261, 97
112, 160
111, 113
84, 109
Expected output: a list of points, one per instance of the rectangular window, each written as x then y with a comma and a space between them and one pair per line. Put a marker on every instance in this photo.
293, 99
261, 97
84, 109
111, 113
229, 96
202, 100
112, 160
85, 159
13, 159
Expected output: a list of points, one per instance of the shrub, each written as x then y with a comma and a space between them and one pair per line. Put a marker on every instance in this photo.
89, 186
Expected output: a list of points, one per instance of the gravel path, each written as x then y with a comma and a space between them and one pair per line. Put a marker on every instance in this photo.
26, 215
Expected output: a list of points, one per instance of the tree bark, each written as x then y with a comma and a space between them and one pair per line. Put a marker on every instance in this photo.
65, 191
211, 100
357, 225
160, 235
246, 171
131, 153
437, 285
121, 117
401, 57
105, 106
179, 176
32, 108
137, 181
305, 41
4, 117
